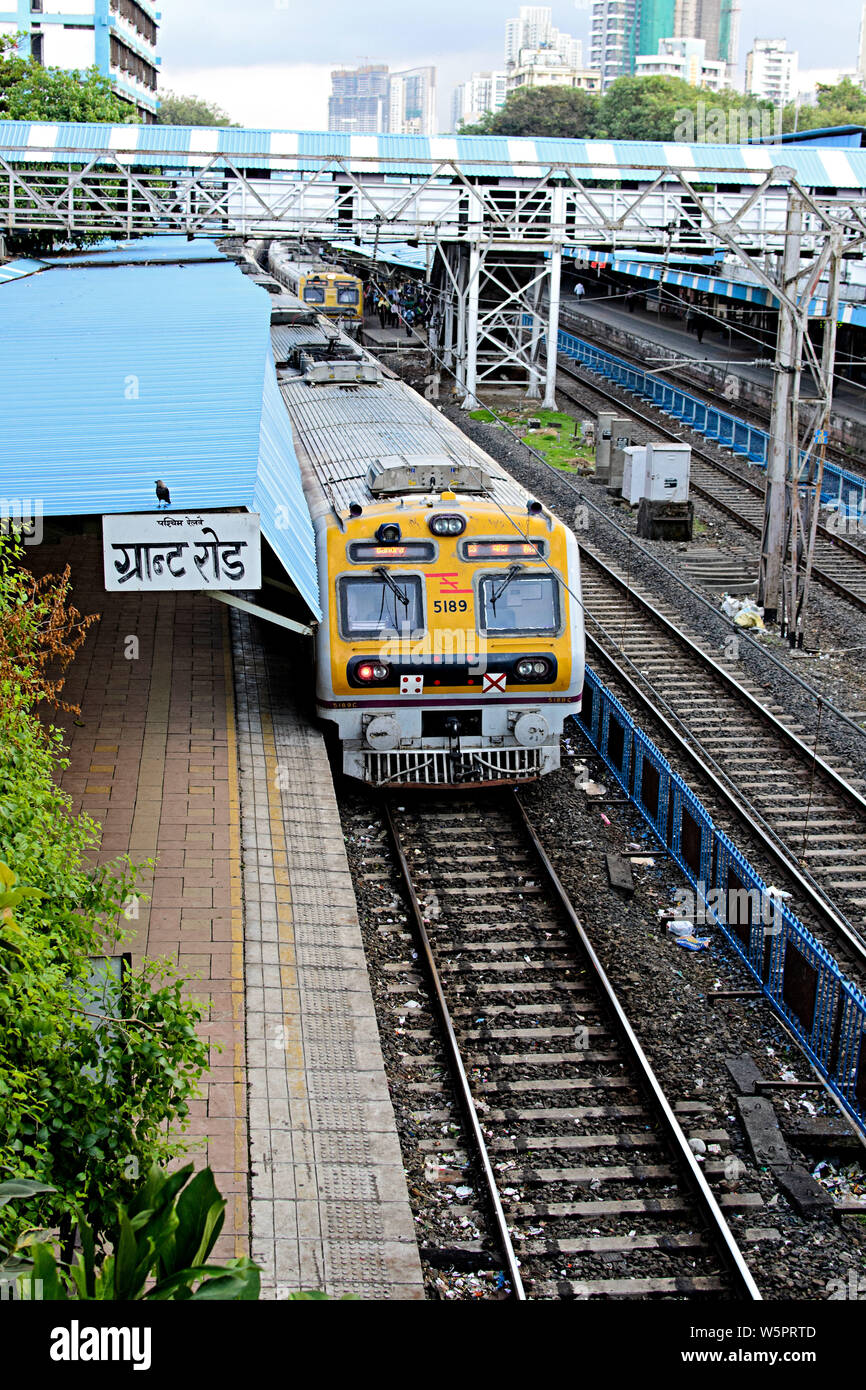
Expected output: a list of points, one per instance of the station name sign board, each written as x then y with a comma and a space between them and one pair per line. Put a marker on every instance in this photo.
149, 552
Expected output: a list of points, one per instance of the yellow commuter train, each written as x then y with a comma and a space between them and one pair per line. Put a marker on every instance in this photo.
452, 648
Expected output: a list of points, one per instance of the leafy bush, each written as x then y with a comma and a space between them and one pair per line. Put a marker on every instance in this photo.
95, 1078
160, 1242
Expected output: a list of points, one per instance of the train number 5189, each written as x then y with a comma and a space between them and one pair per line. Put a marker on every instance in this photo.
450, 605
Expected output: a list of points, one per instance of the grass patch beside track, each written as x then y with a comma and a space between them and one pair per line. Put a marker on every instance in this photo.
558, 437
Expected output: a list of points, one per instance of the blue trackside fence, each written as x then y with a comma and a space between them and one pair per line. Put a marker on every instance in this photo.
797, 975
847, 489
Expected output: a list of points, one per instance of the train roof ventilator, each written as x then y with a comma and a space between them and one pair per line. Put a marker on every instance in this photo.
398, 473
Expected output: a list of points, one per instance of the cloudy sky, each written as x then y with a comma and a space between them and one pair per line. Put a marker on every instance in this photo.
267, 62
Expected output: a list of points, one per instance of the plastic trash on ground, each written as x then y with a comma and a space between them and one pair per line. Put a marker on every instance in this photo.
743, 611
692, 943
681, 928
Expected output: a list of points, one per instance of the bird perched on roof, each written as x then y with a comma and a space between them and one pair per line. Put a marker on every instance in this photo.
162, 492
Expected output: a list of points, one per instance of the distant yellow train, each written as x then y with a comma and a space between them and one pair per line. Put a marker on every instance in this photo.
329, 291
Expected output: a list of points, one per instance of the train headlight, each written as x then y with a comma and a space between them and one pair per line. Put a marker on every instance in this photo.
533, 669
389, 533
442, 525
372, 671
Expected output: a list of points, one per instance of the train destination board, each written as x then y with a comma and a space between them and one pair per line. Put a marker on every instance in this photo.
182, 550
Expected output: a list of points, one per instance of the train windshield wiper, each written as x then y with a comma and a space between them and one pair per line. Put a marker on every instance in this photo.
392, 585
513, 572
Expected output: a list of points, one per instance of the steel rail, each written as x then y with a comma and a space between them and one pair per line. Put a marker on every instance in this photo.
693, 593
820, 574
455, 1060
739, 692
759, 420
719, 1229
747, 815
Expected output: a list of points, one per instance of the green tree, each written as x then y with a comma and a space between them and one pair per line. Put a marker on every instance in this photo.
667, 108
175, 109
96, 1075
633, 108
557, 112
841, 104
31, 92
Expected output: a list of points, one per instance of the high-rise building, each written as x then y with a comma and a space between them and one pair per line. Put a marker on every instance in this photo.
412, 102
686, 59
771, 71
118, 37
861, 49
537, 53
483, 92
613, 38
623, 30
657, 21
717, 22
531, 29
359, 99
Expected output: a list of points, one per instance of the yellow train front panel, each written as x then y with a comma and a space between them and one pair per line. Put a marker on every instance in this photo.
458, 653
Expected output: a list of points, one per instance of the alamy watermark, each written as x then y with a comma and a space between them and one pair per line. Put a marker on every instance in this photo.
22, 517
732, 907
720, 125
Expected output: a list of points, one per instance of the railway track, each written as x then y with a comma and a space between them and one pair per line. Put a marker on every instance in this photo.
840, 565
816, 810
801, 805
593, 1188
750, 414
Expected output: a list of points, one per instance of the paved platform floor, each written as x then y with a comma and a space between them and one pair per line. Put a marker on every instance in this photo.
329, 1203
672, 334
153, 760
295, 1107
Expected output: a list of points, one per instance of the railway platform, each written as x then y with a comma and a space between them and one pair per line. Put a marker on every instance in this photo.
671, 335
189, 750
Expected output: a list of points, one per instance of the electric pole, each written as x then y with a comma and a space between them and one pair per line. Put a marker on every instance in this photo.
783, 431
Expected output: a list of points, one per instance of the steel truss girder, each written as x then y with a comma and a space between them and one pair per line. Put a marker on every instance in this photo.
545, 205
504, 302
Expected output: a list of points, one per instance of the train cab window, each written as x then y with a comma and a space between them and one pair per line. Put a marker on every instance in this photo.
519, 603
372, 606
347, 294
314, 294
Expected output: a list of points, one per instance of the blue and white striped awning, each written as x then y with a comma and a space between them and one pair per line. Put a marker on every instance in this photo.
644, 268
497, 156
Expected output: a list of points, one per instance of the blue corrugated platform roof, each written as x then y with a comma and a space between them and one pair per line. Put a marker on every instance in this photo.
392, 252
115, 374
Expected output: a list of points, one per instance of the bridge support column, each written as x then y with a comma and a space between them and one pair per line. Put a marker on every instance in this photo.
470, 401
533, 390
549, 401
460, 306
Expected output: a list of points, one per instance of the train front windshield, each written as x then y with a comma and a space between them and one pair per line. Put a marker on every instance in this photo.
372, 607
522, 603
